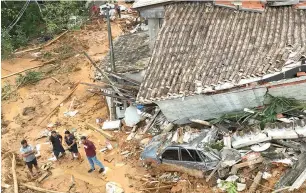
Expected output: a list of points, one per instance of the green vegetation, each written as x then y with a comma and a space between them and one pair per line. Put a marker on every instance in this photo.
30, 77
6, 91
230, 187
267, 113
43, 19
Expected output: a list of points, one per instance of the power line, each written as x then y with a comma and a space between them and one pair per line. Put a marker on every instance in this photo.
21, 12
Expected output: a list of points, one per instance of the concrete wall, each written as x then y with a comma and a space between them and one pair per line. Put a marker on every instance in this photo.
154, 25
213, 106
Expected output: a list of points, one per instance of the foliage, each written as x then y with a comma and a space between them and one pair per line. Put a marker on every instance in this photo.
268, 113
31, 77
45, 18
6, 91
230, 187
57, 17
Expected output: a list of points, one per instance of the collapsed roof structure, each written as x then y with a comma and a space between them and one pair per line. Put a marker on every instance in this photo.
204, 49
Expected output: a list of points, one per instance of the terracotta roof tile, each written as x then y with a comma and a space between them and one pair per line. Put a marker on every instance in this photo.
201, 46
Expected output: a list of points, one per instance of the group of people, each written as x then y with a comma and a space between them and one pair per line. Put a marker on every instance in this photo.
28, 152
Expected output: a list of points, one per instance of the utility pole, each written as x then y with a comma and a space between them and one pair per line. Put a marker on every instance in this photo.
110, 41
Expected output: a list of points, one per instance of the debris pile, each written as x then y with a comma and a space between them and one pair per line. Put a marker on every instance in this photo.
241, 151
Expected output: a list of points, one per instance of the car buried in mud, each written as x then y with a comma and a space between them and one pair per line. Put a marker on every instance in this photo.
191, 156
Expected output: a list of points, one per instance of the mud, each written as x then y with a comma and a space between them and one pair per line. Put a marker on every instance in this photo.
23, 112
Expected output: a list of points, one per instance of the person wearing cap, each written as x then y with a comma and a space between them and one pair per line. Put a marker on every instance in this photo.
28, 154
56, 141
90, 151
72, 144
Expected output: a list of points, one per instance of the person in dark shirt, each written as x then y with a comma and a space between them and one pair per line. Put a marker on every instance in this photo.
90, 151
72, 144
56, 141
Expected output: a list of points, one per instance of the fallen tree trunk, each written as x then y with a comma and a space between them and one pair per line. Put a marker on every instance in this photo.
14, 174
105, 134
15, 73
40, 47
39, 189
53, 110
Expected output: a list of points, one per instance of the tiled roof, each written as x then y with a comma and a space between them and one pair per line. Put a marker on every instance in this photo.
202, 46
144, 3
132, 53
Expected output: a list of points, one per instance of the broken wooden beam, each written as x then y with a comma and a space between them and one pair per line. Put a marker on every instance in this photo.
235, 168
113, 96
14, 174
200, 122
43, 176
105, 134
119, 76
40, 47
21, 71
148, 126
256, 182
53, 110
39, 189
103, 73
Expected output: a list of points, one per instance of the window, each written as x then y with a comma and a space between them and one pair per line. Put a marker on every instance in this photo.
170, 154
190, 155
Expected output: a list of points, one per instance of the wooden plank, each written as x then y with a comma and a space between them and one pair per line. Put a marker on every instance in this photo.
53, 110
15, 73
151, 122
14, 174
39, 189
105, 134
43, 46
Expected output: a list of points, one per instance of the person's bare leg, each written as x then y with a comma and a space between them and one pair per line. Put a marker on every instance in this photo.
31, 171
37, 169
72, 156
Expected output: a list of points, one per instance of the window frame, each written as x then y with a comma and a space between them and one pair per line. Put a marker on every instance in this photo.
172, 148
190, 149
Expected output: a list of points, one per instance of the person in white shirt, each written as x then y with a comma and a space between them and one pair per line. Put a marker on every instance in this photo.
28, 154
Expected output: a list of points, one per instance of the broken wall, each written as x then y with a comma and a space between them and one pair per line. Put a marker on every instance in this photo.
206, 107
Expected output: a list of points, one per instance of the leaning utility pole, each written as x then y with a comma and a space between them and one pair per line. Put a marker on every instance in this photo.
110, 41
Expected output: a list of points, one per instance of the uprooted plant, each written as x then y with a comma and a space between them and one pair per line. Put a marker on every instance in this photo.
30, 77
7, 91
266, 114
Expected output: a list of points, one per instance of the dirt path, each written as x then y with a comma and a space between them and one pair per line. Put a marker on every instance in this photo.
44, 96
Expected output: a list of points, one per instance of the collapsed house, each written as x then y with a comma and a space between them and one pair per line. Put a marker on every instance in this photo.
210, 59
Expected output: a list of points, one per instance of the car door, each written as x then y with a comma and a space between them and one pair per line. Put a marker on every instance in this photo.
210, 160
191, 159
171, 156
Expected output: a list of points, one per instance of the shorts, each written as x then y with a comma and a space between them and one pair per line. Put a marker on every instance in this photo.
31, 163
74, 149
58, 151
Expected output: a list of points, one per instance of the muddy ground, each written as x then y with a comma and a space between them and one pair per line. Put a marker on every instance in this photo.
40, 98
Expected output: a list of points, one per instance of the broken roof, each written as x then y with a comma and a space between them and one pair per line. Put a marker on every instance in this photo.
202, 47
131, 52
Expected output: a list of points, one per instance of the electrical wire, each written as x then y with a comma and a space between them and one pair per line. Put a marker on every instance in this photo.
21, 12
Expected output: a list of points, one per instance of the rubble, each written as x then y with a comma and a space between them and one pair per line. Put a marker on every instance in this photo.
111, 125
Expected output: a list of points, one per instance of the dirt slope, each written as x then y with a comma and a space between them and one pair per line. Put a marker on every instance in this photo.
45, 95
